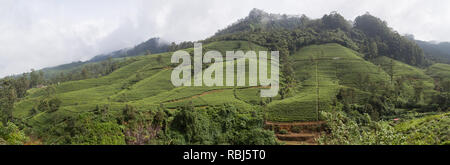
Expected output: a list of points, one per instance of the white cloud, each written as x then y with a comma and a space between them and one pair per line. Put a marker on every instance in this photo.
42, 33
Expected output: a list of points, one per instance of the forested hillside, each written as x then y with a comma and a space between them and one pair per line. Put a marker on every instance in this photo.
439, 52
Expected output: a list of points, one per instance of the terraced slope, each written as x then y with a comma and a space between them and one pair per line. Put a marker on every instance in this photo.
321, 71
409, 76
144, 83
439, 71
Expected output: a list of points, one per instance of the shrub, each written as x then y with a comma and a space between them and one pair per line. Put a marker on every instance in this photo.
296, 129
49, 105
12, 135
283, 131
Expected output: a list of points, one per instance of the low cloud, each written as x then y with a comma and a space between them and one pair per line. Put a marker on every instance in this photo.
43, 33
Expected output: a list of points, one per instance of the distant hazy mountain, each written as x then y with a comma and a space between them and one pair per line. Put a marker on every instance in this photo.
439, 52
153, 46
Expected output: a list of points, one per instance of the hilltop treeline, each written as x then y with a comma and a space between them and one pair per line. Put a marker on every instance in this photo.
366, 34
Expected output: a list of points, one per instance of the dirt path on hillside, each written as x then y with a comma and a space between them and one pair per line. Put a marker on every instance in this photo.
208, 92
195, 96
297, 133
295, 123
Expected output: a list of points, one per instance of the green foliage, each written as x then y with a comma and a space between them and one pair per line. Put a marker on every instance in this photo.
343, 130
82, 129
388, 42
429, 130
321, 60
49, 105
283, 131
369, 35
335, 21
12, 135
8, 97
88, 131
222, 125
128, 113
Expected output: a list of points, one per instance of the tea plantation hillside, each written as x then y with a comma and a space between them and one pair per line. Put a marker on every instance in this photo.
325, 74
143, 83
321, 70
408, 76
439, 71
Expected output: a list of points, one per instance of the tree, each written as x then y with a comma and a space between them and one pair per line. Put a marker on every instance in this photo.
34, 78
418, 90
84, 73
50, 91
361, 81
54, 104
343, 130
186, 121
8, 97
391, 71
49, 105
41, 79
128, 113
10, 134
159, 59
287, 81
21, 85
373, 50
335, 21
371, 25
446, 89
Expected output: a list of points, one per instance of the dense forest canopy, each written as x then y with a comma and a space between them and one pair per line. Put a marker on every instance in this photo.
367, 34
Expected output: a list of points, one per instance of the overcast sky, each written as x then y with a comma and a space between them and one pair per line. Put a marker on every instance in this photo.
42, 33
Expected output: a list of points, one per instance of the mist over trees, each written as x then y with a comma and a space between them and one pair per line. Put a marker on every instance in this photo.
155, 45
366, 34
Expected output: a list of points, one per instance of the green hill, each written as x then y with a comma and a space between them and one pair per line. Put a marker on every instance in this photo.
327, 67
408, 76
143, 83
